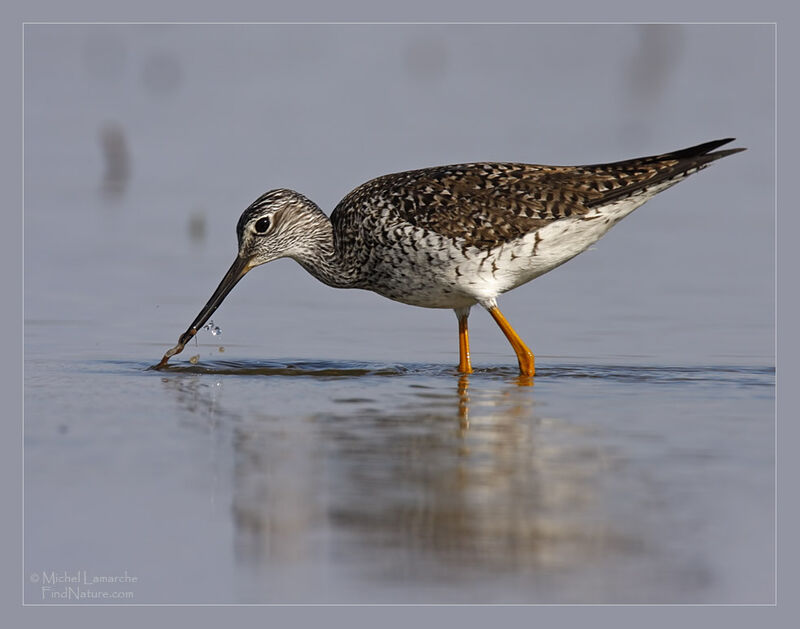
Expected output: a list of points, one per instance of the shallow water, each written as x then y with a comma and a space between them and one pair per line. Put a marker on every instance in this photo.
323, 447
338, 481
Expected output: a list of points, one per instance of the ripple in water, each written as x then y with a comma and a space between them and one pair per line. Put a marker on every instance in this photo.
649, 374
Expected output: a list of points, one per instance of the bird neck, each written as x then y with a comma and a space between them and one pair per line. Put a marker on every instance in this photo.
320, 255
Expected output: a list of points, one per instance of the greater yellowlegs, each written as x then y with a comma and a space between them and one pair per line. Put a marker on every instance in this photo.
452, 236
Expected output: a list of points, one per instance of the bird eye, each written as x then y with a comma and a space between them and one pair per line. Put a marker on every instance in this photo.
262, 225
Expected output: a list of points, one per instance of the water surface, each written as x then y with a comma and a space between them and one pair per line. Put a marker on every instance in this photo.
338, 481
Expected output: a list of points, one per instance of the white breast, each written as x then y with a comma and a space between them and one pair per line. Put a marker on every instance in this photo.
439, 274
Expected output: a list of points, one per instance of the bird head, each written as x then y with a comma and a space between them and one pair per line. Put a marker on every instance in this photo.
276, 225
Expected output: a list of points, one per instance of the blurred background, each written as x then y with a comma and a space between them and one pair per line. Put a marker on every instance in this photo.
143, 144
639, 468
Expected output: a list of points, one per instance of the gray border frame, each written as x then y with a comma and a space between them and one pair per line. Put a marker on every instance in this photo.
787, 225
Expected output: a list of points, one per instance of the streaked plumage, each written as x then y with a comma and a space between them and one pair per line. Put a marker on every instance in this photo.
453, 236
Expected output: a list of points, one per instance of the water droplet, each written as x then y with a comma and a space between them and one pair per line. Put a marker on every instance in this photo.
217, 330
209, 325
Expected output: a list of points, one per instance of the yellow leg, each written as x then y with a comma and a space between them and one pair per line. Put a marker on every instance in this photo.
524, 355
464, 365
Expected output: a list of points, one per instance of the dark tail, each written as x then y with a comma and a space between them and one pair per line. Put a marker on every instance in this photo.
700, 153
665, 167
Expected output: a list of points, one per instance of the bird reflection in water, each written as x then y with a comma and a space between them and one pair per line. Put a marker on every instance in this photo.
445, 485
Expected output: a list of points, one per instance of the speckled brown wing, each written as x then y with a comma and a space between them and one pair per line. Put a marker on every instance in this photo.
487, 204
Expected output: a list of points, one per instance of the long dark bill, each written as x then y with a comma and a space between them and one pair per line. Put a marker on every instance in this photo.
237, 271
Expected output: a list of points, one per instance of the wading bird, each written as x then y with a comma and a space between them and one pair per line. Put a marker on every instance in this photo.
452, 236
